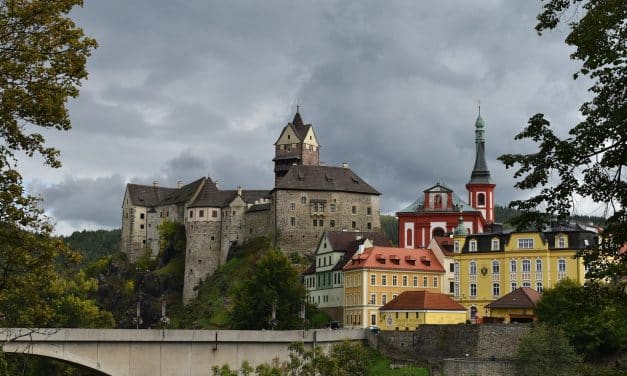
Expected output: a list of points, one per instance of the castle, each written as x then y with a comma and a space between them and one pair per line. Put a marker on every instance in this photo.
307, 199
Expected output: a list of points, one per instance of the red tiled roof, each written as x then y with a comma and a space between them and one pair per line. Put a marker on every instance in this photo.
395, 259
522, 297
422, 300
445, 243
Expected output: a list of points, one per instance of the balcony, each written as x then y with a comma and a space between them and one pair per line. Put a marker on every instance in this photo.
496, 277
473, 278
512, 277
561, 275
538, 276
526, 276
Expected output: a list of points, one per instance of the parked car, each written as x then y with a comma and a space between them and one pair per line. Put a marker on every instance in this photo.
374, 329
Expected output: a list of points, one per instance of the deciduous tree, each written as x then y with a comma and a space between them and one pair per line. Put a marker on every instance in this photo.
590, 162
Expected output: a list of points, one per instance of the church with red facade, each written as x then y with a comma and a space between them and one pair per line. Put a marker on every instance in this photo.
439, 210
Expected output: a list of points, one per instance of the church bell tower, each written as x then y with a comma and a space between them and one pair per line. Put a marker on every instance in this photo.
480, 186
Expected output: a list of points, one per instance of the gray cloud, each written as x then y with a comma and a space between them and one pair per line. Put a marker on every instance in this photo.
182, 89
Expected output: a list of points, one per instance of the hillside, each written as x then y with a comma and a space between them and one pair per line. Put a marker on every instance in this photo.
94, 244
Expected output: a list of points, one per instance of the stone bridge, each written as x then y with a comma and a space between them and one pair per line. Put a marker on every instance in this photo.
123, 352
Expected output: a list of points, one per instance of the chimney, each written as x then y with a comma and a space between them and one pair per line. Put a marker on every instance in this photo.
155, 183
360, 250
345, 165
239, 190
179, 184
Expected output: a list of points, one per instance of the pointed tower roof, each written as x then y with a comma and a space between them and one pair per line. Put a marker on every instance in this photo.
298, 121
480, 173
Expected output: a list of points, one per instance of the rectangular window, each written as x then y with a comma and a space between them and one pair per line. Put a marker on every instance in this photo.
538, 265
526, 243
354, 224
451, 267
354, 210
373, 298
369, 210
191, 214
425, 282
384, 299
415, 281
435, 281
141, 227
320, 222
373, 279
141, 216
456, 246
201, 213
214, 214
303, 200
472, 246
513, 286
404, 280
369, 226
451, 287
394, 280
496, 290
495, 244
293, 221
332, 208
332, 223
473, 289
561, 242
384, 280
293, 206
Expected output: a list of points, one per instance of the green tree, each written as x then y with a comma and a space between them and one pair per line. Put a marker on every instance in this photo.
274, 284
546, 351
42, 61
591, 316
590, 162
389, 225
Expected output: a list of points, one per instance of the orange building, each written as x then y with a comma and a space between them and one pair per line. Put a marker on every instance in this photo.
377, 275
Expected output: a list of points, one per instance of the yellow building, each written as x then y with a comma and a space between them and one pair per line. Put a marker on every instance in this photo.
488, 266
414, 308
517, 306
377, 275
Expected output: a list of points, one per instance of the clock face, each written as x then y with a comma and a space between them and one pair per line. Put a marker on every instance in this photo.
389, 321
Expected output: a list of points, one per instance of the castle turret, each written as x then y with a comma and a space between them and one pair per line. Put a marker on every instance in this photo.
297, 145
480, 186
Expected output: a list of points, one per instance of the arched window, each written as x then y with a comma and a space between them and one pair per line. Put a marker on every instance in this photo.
512, 266
496, 244
473, 268
473, 312
481, 199
539, 265
539, 287
561, 266
526, 266
438, 231
409, 238
495, 267
438, 201
473, 289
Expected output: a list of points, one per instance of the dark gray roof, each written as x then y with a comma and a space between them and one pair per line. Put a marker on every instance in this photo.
210, 196
324, 178
298, 126
260, 207
148, 195
480, 173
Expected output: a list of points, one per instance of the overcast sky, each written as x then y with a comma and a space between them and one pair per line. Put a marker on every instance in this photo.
183, 89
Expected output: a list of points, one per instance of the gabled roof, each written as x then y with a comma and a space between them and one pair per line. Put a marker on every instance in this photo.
299, 127
395, 259
347, 241
148, 195
418, 205
324, 178
209, 196
522, 297
422, 301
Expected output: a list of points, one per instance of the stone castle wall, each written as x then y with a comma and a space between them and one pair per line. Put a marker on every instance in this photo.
433, 343
296, 230
202, 254
257, 223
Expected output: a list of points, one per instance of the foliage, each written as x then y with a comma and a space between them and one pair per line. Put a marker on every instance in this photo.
274, 285
95, 244
545, 350
591, 316
389, 225
591, 161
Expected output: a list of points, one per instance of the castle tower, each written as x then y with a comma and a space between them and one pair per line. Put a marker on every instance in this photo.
297, 145
480, 186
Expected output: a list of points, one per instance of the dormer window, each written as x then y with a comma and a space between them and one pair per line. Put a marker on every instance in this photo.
561, 242
472, 246
456, 246
495, 244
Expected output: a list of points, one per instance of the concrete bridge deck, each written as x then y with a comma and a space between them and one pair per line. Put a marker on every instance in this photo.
130, 352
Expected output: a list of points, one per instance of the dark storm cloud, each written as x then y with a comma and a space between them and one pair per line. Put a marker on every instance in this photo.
181, 89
